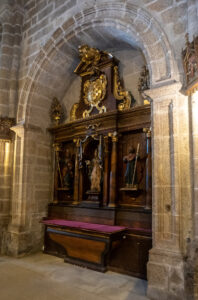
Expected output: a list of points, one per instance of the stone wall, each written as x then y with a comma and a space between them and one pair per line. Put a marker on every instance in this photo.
39, 51
11, 19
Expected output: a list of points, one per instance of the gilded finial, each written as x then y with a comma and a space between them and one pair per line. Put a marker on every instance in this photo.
56, 112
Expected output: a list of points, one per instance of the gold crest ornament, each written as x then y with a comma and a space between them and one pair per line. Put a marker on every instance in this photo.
94, 93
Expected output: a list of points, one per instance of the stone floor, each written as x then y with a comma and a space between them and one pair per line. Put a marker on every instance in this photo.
44, 277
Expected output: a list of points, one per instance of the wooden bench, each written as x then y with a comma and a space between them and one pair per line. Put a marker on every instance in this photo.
84, 244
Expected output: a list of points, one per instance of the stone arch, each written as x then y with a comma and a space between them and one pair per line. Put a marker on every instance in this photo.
134, 26
137, 25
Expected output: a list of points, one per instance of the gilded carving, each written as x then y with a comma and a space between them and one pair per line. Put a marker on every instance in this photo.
89, 59
120, 93
73, 112
94, 93
56, 112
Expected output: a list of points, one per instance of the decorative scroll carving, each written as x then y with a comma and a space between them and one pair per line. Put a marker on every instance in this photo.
5, 125
190, 59
144, 80
56, 112
119, 93
94, 93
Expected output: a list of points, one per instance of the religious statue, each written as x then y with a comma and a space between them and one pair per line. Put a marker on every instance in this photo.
95, 172
68, 170
130, 173
190, 59
144, 80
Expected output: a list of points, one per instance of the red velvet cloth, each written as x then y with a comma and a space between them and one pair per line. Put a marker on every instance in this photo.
83, 225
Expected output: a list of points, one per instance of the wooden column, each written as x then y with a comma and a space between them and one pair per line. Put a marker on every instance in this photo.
57, 171
148, 204
106, 172
113, 173
76, 175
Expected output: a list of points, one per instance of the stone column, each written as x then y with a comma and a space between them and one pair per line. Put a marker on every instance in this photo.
31, 190
192, 257
172, 193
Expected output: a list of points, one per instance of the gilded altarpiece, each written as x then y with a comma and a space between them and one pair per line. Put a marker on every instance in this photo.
103, 160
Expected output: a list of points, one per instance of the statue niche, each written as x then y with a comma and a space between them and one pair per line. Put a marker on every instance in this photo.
92, 170
64, 175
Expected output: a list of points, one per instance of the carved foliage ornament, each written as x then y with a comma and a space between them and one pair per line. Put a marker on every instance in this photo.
94, 93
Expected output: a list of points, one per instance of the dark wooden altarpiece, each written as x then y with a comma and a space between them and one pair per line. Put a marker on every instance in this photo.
102, 171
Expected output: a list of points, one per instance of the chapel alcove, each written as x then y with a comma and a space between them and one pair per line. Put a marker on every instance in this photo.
101, 211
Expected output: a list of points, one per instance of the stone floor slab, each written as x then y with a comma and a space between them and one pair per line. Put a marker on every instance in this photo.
45, 277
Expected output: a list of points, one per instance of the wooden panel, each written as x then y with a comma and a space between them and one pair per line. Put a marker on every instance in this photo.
131, 256
132, 119
89, 215
81, 248
128, 141
134, 218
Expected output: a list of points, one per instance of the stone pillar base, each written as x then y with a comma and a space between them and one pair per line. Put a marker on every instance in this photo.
19, 243
165, 272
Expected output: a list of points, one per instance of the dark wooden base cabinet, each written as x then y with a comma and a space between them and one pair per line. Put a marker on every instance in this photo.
131, 256
86, 248
124, 251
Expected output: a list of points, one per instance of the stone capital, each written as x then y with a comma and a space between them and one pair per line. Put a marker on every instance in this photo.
169, 90
19, 129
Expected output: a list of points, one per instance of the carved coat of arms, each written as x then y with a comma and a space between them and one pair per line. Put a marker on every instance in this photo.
94, 93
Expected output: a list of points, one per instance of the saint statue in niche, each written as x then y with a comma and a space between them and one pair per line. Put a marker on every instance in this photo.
131, 166
95, 172
68, 170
